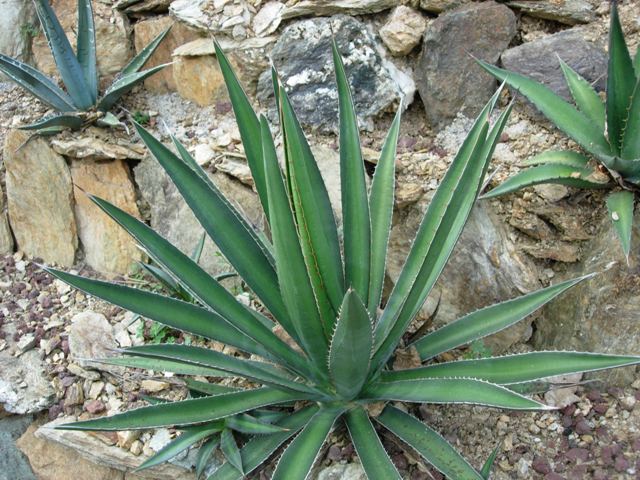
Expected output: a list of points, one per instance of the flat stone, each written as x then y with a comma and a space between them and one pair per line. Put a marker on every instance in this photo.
268, 19
198, 77
448, 78
96, 144
332, 7
403, 30
569, 12
30, 369
26, 342
437, 6
13, 464
91, 337
107, 247
39, 199
135, 8
154, 386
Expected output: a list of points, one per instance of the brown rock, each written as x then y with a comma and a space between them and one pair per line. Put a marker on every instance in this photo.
112, 37
197, 74
403, 30
144, 32
108, 248
94, 406
39, 198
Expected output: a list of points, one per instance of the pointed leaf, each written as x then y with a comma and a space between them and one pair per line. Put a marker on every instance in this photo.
620, 207
124, 85
558, 157
488, 465
86, 47
631, 135
299, 457
37, 84
204, 454
208, 388
230, 450
197, 251
374, 458
74, 122
161, 365
249, 425
186, 412
351, 347
428, 443
547, 173
64, 56
586, 98
489, 320
141, 58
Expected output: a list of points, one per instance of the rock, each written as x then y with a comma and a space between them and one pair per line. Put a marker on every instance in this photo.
349, 471
127, 437
332, 7
74, 395
539, 60
39, 199
302, 56
601, 314
154, 386
91, 337
112, 38
484, 268
94, 407
96, 144
30, 369
26, 342
137, 8
13, 464
160, 438
448, 78
563, 397
17, 23
6, 238
144, 32
403, 30
557, 251
214, 17
172, 218
236, 169
268, 19
437, 6
107, 247
568, 12
197, 74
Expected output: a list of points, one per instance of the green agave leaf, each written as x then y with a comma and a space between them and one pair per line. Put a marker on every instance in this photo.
381, 207
374, 458
186, 412
488, 465
558, 157
200, 285
197, 251
620, 207
37, 84
299, 457
631, 134
86, 47
260, 448
489, 320
519, 368
141, 58
621, 81
230, 234
179, 444
636, 62
428, 443
230, 450
161, 365
245, 423
74, 122
586, 98
204, 454
248, 124
124, 85
356, 223
207, 388
575, 124
547, 173
168, 311
261, 372
451, 390
66, 61
293, 277
351, 347
161, 276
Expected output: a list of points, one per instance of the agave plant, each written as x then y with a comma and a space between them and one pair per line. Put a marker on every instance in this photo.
608, 131
80, 104
334, 360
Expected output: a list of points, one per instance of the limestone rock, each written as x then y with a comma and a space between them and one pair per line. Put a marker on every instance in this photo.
91, 337
112, 37
144, 32
231, 19
39, 199
302, 56
601, 314
96, 144
197, 74
539, 60
448, 78
332, 7
24, 385
403, 30
107, 247
568, 12
16, 22
268, 19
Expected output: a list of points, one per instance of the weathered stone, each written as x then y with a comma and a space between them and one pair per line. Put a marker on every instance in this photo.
27, 371
91, 337
349, 471
557, 251
137, 7
569, 12
268, 19
214, 17
112, 37
17, 23
601, 314
403, 30
74, 395
197, 75
236, 169
6, 239
13, 464
96, 144
107, 247
447, 75
437, 6
302, 56
539, 60
172, 218
154, 386
144, 32
40, 199
332, 7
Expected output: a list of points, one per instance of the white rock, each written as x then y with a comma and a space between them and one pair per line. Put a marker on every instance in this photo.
268, 19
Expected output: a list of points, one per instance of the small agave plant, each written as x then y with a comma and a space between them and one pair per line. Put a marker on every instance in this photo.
608, 131
80, 104
333, 365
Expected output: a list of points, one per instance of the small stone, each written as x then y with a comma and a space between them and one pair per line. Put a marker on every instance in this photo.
627, 402
541, 465
136, 447
126, 438
154, 386
159, 439
77, 370
123, 338
583, 427
94, 406
203, 154
268, 19
95, 390
74, 395
26, 343
403, 30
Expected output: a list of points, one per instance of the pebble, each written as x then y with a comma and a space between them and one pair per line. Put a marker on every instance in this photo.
154, 386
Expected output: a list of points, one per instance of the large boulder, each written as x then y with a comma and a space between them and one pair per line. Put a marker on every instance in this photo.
448, 78
302, 56
40, 199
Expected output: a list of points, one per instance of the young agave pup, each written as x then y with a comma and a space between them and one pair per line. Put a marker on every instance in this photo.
337, 362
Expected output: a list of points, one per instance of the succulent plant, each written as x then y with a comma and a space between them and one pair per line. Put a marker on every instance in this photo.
80, 104
334, 361
609, 132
